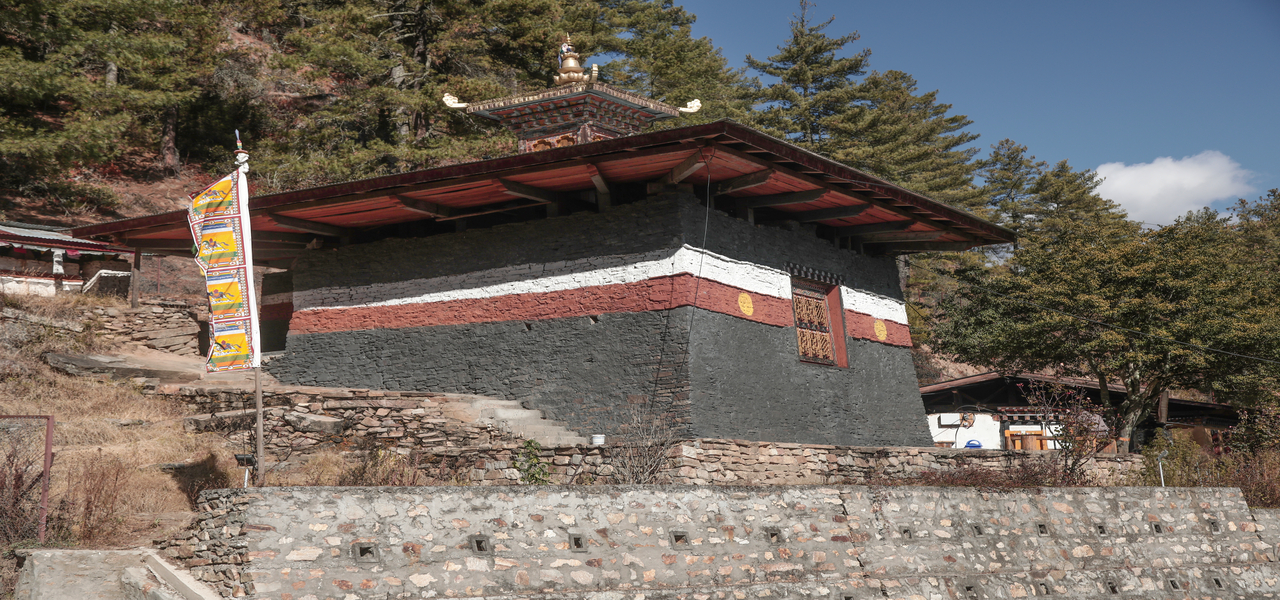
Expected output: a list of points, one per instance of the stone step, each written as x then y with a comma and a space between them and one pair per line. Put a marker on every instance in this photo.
511, 417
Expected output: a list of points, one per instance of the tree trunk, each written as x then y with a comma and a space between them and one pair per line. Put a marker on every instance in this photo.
112, 74
168, 142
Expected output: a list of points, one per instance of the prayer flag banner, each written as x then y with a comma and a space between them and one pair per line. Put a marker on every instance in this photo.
219, 218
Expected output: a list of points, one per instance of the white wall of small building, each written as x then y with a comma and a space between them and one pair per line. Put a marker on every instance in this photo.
35, 286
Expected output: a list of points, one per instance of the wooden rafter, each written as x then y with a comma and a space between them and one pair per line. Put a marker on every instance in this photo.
422, 206
824, 214
743, 182
309, 226
780, 199
857, 230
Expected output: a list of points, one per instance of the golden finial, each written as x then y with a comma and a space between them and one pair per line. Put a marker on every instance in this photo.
570, 70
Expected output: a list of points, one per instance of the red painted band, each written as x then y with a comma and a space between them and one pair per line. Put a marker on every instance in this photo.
863, 326
660, 293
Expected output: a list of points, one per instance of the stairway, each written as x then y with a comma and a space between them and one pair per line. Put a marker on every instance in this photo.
509, 416
105, 575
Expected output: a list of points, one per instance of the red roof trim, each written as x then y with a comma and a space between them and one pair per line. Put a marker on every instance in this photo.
621, 145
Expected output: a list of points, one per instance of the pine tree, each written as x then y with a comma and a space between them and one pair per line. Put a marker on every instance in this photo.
660, 59
1008, 174
83, 80
367, 101
815, 85
909, 139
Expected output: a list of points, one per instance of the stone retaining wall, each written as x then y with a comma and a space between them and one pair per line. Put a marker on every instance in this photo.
633, 542
737, 462
172, 326
307, 419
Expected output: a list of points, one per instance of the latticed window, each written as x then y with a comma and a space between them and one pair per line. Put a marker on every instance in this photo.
813, 322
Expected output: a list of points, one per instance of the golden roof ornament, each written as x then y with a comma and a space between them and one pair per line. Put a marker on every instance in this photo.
571, 70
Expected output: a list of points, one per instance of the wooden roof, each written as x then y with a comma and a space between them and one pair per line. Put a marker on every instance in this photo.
752, 174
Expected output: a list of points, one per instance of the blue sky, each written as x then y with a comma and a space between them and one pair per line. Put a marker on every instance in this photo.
1176, 102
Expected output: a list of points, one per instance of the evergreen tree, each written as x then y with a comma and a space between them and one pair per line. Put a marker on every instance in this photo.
814, 84
909, 139
372, 72
1008, 175
83, 80
659, 58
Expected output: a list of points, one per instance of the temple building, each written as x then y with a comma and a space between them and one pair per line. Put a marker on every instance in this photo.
726, 282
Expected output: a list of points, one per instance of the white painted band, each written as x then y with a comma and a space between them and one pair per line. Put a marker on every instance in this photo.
576, 274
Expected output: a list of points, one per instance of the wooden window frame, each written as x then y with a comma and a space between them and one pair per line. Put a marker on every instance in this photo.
835, 320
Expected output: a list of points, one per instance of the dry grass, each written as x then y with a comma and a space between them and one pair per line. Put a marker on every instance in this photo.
108, 434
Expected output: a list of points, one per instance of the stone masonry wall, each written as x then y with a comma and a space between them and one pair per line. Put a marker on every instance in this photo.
695, 542
303, 419
737, 462
172, 326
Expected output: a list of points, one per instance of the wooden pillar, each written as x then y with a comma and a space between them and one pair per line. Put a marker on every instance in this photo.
135, 281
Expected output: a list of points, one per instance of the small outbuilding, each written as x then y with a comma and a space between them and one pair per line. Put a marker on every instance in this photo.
39, 260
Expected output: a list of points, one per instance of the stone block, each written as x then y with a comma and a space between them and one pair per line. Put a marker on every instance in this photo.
315, 423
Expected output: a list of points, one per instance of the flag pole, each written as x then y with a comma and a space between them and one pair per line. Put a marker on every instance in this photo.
257, 374
257, 404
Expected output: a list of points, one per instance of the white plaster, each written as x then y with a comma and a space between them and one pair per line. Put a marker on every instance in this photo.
985, 429
34, 286
591, 272
879, 307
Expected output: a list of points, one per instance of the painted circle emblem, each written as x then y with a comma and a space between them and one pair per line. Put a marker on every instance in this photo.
881, 331
745, 305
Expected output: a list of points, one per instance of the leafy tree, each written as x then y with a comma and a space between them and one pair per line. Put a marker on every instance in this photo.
1191, 283
814, 85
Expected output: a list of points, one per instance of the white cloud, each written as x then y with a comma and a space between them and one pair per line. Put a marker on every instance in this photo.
1165, 188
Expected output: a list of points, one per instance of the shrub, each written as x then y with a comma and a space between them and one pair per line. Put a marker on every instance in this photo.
381, 466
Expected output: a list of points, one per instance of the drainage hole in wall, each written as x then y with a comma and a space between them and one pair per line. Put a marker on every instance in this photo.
775, 535
1218, 584
364, 552
977, 530
1042, 529
594, 319
1215, 527
1157, 528
528, 326
1044, 589
1111, 586
906, 533
1102, 530
1173, 585
969, 592
480, 544
679, 539
577, 543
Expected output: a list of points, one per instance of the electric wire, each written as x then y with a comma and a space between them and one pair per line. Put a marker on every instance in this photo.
1088, 320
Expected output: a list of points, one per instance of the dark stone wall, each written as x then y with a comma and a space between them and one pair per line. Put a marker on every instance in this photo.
593, 375
776, 246
273, 326
628, 229
741, 380
748, 383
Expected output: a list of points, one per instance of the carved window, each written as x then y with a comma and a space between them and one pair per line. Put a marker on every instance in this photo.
813, 322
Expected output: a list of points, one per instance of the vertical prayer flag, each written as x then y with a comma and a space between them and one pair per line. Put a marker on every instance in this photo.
219, 218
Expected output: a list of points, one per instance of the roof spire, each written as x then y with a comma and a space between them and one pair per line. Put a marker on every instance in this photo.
571, 70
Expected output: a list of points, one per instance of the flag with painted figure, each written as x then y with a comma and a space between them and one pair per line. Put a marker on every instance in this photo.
219, 219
